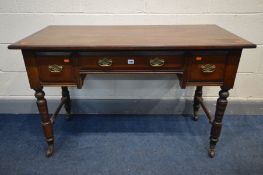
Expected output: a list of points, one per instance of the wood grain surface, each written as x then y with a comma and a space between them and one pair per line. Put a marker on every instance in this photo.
132, 38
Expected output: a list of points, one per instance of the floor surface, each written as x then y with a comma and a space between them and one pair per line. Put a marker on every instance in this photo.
130, 145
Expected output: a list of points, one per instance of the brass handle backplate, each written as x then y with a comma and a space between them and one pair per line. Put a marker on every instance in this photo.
55, 68
208, 68
156, 62
105, 62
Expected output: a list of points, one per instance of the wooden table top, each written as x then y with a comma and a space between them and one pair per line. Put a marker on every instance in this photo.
132, 38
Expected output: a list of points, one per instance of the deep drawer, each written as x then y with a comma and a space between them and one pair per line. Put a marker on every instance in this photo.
55, 68
207, 66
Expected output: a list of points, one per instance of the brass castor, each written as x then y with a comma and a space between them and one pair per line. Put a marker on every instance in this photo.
50, 150
195, 115
211, 152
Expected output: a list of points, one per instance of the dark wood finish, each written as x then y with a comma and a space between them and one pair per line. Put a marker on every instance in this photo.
217, 123
196, 104
45, 76
200, 55
132, 38
45, 120
55, 114
232, 63
32, 69
208, 115
67, 105
141, 63
216, 59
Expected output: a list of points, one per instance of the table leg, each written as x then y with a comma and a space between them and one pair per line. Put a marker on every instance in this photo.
45, 120
67, 105
196, 104
217, 123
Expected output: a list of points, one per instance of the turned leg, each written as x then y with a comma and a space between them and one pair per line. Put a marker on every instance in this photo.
45, 120
67, 105
217, 123
196, 104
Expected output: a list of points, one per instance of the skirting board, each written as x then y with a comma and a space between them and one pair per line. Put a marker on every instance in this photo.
130, 106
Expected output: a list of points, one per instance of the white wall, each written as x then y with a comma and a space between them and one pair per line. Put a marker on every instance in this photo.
19, 18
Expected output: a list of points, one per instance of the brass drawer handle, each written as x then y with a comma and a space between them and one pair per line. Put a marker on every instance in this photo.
55, 68
105, 62
156, 62
208, 68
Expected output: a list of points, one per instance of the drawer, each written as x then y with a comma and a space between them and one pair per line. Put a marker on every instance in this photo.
55, 68
207, 67
131, 63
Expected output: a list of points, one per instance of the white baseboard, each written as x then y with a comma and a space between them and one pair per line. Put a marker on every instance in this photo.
130, 106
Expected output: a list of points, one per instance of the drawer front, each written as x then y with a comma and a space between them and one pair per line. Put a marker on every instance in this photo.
133, 63
208, 67
55, 69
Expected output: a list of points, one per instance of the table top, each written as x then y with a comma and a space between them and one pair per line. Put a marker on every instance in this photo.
142, 37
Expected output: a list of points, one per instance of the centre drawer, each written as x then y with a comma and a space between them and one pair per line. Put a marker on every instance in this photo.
162, 62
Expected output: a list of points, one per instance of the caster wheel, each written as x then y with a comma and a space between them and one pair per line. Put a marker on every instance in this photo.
50, 150
211, 153
195, 116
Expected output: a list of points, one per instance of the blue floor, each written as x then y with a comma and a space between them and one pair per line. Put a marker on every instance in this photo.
131, 145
